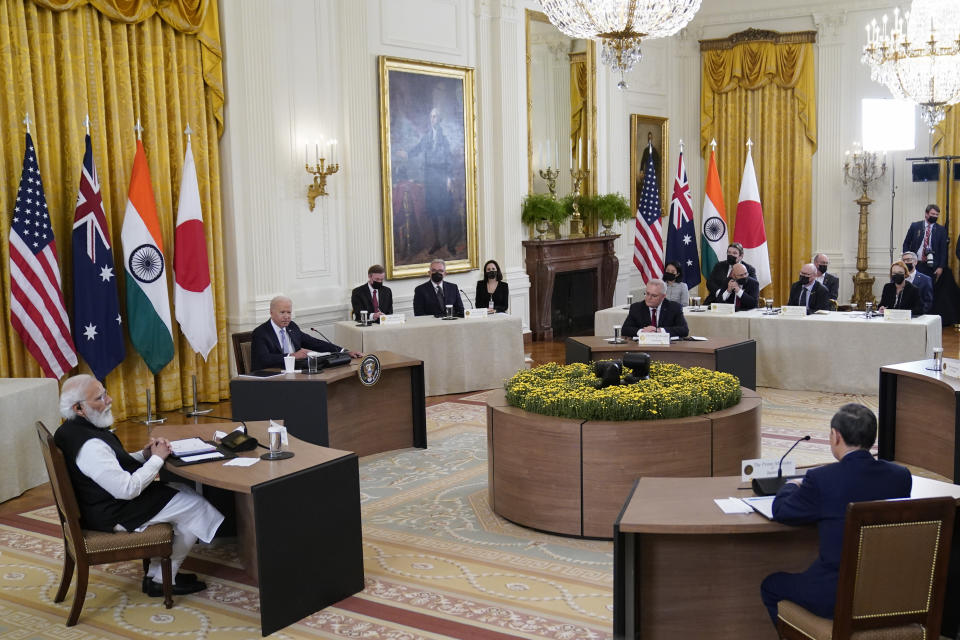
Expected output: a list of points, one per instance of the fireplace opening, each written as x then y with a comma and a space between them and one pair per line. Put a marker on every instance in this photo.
573, 305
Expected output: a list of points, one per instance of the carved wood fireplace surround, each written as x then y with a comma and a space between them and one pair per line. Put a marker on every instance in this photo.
546, 258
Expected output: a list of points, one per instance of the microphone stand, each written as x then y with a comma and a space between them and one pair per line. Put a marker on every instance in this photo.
770, 486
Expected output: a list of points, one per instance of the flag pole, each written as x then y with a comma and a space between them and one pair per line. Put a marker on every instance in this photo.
196, 410
27, 121
150, 419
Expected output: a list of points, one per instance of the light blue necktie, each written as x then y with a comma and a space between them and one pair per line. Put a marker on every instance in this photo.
283, 341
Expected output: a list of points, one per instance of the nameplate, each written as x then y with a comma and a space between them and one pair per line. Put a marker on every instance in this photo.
651, 338
794, 311
898, 315
951, 368
761, 468
476, 313
393, 318
721, 308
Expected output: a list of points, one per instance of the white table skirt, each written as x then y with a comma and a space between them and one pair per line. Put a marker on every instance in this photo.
23, 401
836, 352
458, 355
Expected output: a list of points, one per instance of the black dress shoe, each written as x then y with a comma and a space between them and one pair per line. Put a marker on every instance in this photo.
155, 589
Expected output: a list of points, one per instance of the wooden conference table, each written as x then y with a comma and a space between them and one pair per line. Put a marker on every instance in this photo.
467, 354
837, 352
298, 521
730, 355
919, 418
684, 569
332, 408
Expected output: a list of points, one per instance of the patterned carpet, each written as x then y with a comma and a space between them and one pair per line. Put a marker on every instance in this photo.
438, 562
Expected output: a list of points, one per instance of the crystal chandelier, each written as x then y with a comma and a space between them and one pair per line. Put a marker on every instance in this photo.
620, 25
917, 55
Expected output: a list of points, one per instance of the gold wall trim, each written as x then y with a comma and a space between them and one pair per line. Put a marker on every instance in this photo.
758, 35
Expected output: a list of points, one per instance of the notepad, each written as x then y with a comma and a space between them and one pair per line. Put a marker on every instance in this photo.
762, 505
733, 505
203, 456
190, 446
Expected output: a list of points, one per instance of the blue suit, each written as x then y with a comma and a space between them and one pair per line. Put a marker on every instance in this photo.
925, 284
426, 303
823, 498
938, 245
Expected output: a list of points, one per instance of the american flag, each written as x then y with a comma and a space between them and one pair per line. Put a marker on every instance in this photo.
648, 239
37, 312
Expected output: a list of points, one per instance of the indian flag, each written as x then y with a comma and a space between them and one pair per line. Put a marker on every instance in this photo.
713, 240
148, 304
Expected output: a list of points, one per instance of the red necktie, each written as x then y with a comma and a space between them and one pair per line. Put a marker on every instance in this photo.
376, 303
926, 243
653, 317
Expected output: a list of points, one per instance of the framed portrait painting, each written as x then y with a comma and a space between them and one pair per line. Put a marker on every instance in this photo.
429, 166
649, 135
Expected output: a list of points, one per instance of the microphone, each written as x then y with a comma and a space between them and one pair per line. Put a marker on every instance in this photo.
242, 423
320, 333
770, 486
464, 296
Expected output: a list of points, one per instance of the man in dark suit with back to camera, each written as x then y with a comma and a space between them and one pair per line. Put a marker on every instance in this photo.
830, 281
741, 291
280, 336
655, 313
928, 240
372, 297
721, 271
431, 298
808, 292
822, 498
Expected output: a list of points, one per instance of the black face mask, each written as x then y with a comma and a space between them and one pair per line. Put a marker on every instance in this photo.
897, 278
731, 260
822, 268
910, 266
436, 277
742, 282
491, 275
804, 280
669, 277
931, 220
376, 285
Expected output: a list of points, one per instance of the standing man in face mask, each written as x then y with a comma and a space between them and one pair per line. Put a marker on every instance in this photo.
806, 291
721, 271
920, 281
928, 240
741, 291
432, 297
830, 281
372, 297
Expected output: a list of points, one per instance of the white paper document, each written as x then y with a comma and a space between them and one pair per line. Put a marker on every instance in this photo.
190, 446
762, 504
733, 505
241, 462
202, 456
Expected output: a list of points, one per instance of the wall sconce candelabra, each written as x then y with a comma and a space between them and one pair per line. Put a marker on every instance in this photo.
319, 170
862, 169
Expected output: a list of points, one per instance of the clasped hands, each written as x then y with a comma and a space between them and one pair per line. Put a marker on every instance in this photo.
157, 447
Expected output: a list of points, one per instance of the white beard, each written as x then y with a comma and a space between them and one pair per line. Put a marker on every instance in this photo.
100, 419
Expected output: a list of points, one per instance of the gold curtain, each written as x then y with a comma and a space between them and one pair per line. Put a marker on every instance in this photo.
761, 85
116, 60
578, 108
946, 142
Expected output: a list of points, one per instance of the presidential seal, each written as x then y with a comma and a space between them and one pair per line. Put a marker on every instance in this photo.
369, 371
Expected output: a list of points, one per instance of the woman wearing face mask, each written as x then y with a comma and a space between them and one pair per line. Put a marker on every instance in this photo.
900, 294
676, 288
492, 292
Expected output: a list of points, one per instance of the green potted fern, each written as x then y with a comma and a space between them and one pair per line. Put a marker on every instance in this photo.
540, 210
610, 208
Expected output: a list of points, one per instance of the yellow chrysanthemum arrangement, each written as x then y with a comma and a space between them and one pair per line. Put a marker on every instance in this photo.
672, 391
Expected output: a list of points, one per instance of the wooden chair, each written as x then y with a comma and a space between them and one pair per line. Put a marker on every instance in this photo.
241, 351
84, 548
893, 574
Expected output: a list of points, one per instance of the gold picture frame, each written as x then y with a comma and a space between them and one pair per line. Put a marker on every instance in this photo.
658, 131
428, 156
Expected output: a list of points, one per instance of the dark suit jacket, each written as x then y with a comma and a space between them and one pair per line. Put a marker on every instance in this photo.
925, 285
718, 279
938, 245
832, 283
501, 296
823, 497
819, 297
361, 300
425, 301
670, 318
909, 298
747, 301
265, 350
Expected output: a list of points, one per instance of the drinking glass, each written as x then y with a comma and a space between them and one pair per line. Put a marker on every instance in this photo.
363, 316
449, 310
938, 359
616, 333
769, 302
695, 302
313, 362
869, 309
629, 300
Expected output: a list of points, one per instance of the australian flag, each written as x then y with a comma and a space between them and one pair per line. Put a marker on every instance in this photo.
97, 326
681, 235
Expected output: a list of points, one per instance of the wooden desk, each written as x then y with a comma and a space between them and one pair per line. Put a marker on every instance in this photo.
682, 566
919, 421
730, 355
298, 521
332, 408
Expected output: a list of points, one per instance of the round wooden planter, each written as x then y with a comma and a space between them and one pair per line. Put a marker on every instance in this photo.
573, 476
